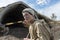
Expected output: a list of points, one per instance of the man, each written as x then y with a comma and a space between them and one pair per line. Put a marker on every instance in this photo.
37, 30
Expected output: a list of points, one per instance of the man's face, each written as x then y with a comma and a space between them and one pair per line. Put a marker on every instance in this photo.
27, 16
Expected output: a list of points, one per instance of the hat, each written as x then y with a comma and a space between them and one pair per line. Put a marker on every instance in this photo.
31, 11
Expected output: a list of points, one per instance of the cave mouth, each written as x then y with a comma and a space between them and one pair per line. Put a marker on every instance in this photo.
13, 14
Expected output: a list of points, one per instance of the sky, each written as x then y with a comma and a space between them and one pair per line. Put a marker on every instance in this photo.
44, 7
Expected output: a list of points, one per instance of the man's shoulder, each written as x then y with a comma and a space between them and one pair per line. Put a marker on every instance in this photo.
39, 21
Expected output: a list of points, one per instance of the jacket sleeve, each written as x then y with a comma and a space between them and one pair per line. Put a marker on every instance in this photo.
42, 31
39, 31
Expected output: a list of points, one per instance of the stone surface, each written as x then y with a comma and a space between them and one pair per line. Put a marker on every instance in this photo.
15, 34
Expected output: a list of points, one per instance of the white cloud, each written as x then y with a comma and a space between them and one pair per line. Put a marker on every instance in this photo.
31, 5
52, 9
43, 2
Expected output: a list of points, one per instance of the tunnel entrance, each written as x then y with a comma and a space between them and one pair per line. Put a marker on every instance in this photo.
13, 13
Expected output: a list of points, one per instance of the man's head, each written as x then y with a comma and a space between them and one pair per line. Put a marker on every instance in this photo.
28, 14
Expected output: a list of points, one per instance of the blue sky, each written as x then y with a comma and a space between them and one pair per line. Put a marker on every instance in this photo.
45, 7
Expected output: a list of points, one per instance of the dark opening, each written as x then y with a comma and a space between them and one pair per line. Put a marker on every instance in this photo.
14, 14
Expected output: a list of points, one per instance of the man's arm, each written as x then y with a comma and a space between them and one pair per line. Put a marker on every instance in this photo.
39, 31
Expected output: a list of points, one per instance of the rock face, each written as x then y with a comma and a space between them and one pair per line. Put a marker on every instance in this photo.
15, 34
55, 31
19, 32
2, 8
